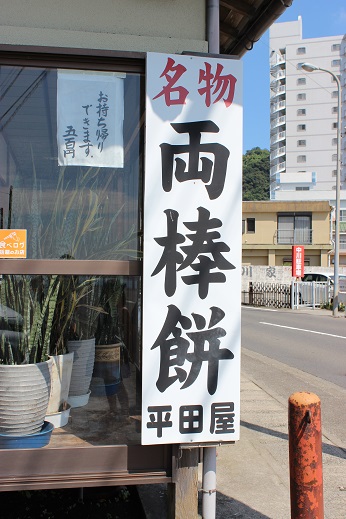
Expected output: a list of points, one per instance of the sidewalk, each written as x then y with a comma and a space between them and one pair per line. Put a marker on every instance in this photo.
253, 474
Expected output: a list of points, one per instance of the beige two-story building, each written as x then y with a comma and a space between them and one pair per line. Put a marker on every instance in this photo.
271, 228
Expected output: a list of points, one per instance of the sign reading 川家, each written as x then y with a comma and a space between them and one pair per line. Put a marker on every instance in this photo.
297, 261
192, 250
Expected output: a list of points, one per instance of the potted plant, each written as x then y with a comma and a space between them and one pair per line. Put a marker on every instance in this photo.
81, 221
62, 361
76, 220
109, 345
81, 338
27, 310
73, 321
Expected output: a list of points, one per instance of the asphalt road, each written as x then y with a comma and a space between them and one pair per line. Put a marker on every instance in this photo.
314, 343
286, 351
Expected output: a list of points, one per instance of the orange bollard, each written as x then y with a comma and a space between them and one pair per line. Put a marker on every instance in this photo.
305, 452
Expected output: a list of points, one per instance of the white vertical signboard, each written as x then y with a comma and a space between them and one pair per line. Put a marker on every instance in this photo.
90, 116
192, 250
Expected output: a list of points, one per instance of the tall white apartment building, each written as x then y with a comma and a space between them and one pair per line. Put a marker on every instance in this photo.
303, 115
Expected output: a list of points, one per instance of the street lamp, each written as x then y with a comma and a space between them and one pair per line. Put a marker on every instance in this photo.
308, 67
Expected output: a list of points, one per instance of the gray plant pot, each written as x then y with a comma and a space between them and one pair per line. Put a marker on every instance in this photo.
24, 396
83, 365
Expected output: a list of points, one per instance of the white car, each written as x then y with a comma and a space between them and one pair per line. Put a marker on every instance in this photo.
326, 278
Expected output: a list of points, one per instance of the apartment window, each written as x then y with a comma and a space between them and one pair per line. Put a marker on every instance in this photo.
294, 228
335, 141
342, 215
334, 156
336, 62
302, 188
334, 80
301, 142
334, 110
301, 97
334, 94
335, 47
301, 50
335, 126
301, 111
287, 262
334, 172
301, 127
334, 188
301, 81
250, 223
301, 158
243, 226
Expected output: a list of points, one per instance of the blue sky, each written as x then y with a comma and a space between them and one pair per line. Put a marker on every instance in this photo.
319, 18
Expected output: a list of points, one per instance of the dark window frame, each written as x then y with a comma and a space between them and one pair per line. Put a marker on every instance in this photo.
294, 215
78, 59
63, 467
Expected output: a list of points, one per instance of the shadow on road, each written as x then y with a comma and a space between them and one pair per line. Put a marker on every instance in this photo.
155, 505
227, 507
332, 450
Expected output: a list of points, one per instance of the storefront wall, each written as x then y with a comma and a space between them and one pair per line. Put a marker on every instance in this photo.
131, 25
101, 445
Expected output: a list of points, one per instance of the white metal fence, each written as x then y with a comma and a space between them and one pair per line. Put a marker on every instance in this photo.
312, 294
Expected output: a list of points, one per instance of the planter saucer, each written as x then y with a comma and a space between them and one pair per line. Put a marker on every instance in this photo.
59, 419
78, 401
28, 441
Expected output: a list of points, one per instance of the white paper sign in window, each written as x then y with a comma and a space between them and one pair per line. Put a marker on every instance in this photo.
90, 115
192, 250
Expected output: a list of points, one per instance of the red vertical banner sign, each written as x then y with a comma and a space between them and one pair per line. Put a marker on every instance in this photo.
297, 261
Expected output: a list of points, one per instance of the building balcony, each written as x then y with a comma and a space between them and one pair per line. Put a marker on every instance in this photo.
342, 227
342, 245
279, 152
278, 74
278, 168
277, 68
278, 121
278, 90
276, 83
297, 178
281, 136
293, 237
275, 107
277, 58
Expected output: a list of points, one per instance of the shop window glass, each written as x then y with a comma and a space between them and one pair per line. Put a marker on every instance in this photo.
69, 211
89, 210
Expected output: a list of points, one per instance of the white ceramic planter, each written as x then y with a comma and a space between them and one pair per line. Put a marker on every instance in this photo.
24, 395
60, 381
79, 401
